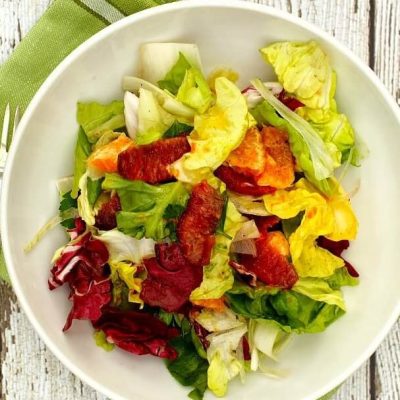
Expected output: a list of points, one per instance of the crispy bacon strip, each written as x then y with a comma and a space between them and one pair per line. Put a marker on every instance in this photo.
150, 162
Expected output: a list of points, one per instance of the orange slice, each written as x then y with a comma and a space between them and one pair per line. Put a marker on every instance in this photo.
105, 158
279, 164
249, 158
213, 304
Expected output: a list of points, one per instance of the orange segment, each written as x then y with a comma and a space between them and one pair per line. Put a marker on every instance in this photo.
105, 158
214, 304
249, 157
279, 165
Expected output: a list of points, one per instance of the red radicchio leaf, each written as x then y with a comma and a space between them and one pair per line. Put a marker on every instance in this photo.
82, 264
85, 252
89, 305
137, 332
290, 102
248, 276
79, 228
106, 218
337, 249
246, 349
169, 281
201, 333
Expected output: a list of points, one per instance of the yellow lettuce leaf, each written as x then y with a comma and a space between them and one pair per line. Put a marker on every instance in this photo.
126, 271
331, 217
216, 133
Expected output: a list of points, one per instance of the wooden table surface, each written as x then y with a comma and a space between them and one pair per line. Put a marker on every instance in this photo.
371, 29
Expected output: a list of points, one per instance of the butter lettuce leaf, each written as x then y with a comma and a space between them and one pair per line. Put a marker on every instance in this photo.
189, 369
303, 70
291, 311
153, 120
319, 290
194, 91
101, 341
340, 278
332, 126
174, 78
216, 133
144, 205
96, 118
82, 152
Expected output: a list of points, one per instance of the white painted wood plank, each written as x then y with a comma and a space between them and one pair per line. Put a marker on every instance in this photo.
16, 18
387, 66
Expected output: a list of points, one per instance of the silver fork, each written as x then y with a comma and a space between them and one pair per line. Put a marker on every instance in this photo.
4, 135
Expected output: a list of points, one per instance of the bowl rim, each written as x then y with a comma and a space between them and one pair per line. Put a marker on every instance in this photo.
80, 50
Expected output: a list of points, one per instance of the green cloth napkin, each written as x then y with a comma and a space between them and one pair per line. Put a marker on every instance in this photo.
64, 26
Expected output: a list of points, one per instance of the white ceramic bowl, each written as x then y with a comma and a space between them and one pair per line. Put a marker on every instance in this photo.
228, 33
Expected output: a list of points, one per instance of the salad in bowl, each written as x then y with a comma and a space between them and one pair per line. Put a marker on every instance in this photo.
207, 221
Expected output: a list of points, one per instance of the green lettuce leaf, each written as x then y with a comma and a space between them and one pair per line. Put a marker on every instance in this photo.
303, 70
177, 129
291, 311
94, 190
332, 127
68, 210
101, 341
194, 91
189, 369
215, 134
319, 290
82, 151
154, 121
144, 205
174, 78
96, 118
341, 277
